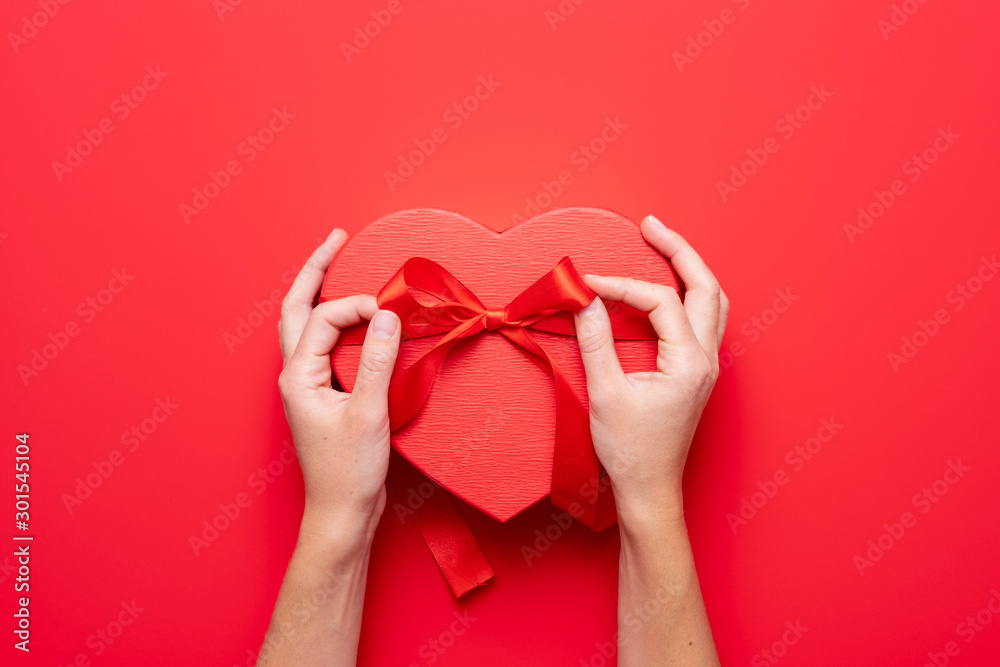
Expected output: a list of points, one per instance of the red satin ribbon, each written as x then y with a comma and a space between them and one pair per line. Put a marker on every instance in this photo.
442, 526
448, 307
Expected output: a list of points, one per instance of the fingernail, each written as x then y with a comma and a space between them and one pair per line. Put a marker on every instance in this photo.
590, 308
335, 230
653, 218
384, 324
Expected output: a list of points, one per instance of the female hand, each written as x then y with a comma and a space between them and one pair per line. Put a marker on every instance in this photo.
342, 439
642, 423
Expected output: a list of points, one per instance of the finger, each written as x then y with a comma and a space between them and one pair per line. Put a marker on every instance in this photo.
597, 348
378, 356
298, 303
666, 313
702, 299
723, 315
310, 363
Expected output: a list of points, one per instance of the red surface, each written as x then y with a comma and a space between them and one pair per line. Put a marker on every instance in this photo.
488, 428
606, 68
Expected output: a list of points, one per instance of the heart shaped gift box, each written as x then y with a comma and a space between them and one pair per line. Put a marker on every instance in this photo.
487, 428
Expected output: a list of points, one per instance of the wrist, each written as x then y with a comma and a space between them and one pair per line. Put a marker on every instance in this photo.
340, 533
645, 522
651, 533
640, 506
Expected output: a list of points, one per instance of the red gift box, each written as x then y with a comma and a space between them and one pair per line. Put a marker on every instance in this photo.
489, 397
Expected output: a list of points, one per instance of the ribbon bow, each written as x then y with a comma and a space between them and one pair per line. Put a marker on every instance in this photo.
446, 306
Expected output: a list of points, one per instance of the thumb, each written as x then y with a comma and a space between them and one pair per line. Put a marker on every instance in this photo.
597, 347
378, 356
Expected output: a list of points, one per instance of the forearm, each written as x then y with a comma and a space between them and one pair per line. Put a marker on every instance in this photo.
661, 614
317, 618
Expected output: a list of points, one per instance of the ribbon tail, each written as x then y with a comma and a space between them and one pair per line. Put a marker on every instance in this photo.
443, 528
577, 485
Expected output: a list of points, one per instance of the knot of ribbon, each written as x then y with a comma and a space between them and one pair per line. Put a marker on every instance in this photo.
496, 319
430, 301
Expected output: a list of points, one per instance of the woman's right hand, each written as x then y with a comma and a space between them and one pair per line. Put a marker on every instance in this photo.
642, 424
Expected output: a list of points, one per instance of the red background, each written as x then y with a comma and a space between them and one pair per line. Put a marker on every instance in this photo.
164, 334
